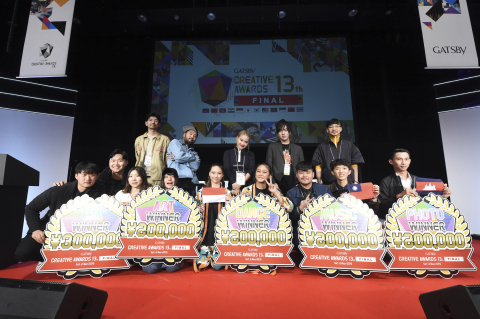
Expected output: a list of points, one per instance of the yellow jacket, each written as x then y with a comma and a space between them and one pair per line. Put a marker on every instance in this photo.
159, 154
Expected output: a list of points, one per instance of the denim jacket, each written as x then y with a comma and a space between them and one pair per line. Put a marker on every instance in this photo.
186, 160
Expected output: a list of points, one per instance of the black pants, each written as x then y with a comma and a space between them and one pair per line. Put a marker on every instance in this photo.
187, 185
29, 249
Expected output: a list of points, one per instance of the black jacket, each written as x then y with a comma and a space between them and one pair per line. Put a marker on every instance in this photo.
276, 161
230, 168
373, 205
54, 198
389, 188
326, 152
112, 186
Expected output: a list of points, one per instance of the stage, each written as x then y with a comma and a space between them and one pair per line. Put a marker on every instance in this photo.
293, 292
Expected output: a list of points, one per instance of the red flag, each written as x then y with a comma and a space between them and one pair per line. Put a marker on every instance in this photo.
361, 191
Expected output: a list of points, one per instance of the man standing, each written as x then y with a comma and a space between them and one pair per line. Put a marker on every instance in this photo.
114, 176
151, 150
283, 156
86, 174
400, 183
303, 193
335, 148
341, 169
184, 159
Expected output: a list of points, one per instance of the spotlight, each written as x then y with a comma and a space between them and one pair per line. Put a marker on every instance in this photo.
176, 17
353, 13
211, 16
389, 12
282, 14
142, 18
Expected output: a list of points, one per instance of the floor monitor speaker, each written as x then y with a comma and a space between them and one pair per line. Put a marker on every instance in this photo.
45, 299
456, 302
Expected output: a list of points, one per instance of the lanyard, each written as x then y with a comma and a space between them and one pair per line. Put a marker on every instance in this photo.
237, 161
339, 155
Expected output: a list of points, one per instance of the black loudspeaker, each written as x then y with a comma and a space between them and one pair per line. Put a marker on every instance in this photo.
46, 299
456, 302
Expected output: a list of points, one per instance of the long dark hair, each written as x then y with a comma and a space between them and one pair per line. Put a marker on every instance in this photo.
263, 164
143, 175
209, 182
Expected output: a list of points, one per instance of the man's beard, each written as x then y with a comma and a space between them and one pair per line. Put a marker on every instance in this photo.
188, 142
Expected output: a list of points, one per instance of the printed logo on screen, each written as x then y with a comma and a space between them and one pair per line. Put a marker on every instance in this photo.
46, 50
439, 8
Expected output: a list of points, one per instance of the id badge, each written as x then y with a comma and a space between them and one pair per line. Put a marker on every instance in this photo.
241, 178
148, 160
286, 169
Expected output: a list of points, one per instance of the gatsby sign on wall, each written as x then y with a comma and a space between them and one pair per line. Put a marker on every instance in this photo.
160, 226
447, 34
341, 236
253, 234
82, 238
428, 236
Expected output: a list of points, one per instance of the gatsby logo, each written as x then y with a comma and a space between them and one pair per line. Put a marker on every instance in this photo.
46, 50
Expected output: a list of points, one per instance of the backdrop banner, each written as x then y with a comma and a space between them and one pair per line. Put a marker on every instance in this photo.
447, 34
45, 50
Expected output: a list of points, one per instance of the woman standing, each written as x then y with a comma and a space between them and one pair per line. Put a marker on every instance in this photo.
239, 163
210, 212
137, 182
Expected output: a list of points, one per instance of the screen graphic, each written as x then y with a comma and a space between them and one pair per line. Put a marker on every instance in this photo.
223, 87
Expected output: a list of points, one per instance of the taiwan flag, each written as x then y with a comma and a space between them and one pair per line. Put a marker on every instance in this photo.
423, 186
213, 195
361, 191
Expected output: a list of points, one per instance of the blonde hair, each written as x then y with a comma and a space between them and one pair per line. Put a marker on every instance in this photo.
247, 133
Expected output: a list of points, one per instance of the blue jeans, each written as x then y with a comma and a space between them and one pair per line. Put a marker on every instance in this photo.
156, 267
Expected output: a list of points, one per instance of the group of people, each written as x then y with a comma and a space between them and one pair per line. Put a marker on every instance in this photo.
166, 163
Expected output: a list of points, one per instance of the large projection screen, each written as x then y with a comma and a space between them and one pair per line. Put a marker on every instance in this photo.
461, 136
225, 86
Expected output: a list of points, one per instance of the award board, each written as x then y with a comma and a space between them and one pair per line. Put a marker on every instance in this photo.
83, 237
253, 234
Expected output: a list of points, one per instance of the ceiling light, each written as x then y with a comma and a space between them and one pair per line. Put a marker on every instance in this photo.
353, 13
142, 18
282, 14
211, 16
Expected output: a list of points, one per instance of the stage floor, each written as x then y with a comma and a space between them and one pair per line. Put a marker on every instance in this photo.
292, 293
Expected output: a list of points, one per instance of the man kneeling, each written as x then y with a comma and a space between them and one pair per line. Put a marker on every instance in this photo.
86, 174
